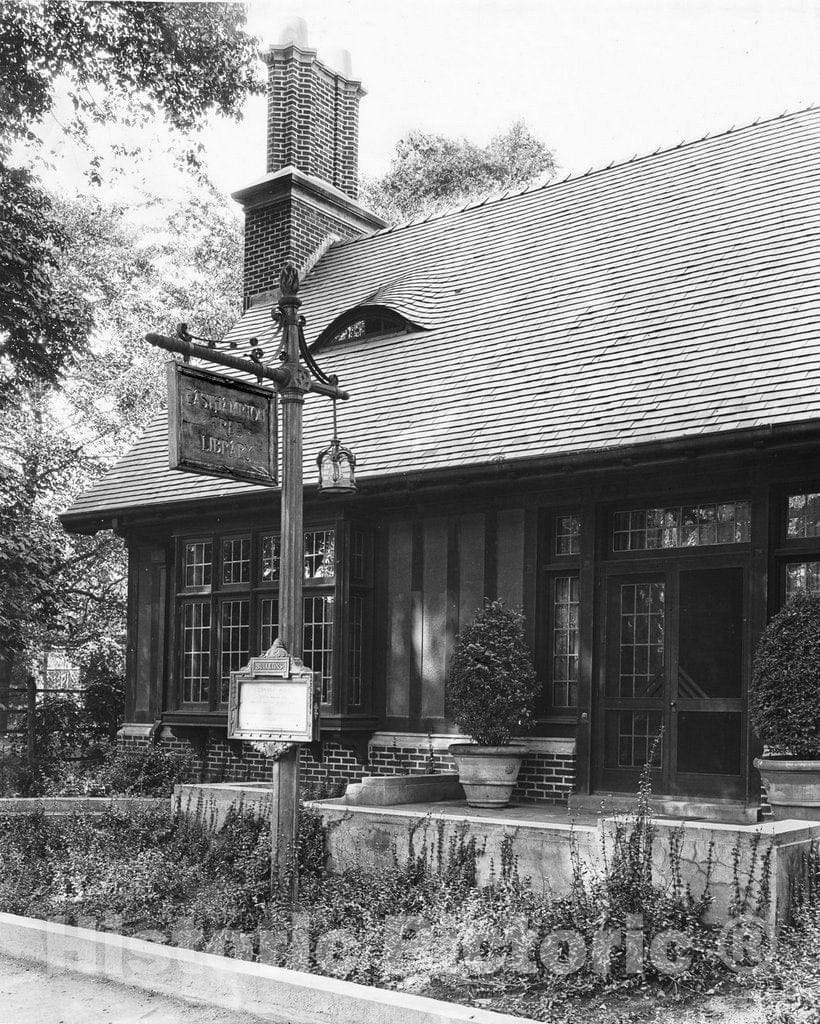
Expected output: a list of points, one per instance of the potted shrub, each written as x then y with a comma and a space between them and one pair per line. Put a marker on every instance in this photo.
784, 706
491, 691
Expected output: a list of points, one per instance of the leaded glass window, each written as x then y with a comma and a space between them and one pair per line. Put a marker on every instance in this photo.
802, 576
565, 642
641, 639
196, 651
356, 649
319, 555
639, 741
234, 641
357, 554
236, 560
682, 526
197, 564
804, 516
228, 610
567, 534
318, 641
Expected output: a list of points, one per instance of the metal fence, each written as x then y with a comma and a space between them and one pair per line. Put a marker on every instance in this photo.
17, 720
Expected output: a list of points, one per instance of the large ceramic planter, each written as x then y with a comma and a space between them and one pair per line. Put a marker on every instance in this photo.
488, 774
793, 787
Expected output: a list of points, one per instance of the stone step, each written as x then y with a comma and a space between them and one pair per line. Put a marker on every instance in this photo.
731, 812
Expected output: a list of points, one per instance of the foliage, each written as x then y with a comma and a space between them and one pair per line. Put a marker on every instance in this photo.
146, 265
422, 924
111, 61
784, 701
492, 687
144, 770
431, 172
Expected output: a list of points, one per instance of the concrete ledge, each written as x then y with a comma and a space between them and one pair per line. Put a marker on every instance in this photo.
81, 804
563, 746
272, 993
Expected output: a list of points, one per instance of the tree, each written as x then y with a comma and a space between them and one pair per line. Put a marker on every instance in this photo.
142, 267
133, 61
430, 172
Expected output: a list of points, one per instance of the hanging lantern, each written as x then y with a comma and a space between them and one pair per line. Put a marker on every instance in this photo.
337, 466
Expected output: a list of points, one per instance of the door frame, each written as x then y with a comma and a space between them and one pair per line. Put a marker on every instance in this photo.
666, 780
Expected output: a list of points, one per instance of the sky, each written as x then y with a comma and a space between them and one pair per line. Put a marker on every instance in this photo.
597, 80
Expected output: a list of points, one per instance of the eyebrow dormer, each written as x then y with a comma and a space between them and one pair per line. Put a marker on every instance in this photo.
364, 322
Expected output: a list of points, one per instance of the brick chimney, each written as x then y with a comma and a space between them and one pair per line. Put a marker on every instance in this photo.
308, 196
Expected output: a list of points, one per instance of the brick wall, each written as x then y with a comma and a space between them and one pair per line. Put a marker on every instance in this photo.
544, 779
313, 119
290, 229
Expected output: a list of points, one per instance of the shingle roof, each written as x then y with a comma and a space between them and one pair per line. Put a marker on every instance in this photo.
672, 296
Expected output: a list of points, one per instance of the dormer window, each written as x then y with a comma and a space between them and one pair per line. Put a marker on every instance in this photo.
364, 322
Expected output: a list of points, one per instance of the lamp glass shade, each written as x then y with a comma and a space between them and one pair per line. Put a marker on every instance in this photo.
337, 466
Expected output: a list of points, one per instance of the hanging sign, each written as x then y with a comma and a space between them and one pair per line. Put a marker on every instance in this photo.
219, 426
274, 697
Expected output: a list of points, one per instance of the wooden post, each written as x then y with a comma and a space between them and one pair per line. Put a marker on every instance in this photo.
285, 782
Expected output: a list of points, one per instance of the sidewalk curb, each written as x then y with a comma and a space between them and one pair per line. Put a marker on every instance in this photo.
272, 993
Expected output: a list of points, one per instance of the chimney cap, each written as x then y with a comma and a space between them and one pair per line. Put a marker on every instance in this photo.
294, 33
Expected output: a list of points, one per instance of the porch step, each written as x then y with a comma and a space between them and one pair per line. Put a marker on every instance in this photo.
731, 812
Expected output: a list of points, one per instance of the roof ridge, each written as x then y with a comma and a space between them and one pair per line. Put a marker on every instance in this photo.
536, 185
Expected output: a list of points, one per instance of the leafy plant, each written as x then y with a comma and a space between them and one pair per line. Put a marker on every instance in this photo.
492, 687
784, 701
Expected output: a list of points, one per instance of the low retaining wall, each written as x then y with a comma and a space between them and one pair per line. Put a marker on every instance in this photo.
368, 836
274, 994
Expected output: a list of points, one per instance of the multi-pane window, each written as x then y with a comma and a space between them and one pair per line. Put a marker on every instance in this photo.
317, 645
567, 534
196, 651
197, 563
319, 555
357, 554
639, 740
565, 642
236, 560
803, 576
641, 639
228, 605
269, 624
356, 649
803, 516
681, 526
234, 641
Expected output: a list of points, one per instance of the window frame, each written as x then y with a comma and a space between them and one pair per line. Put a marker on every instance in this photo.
552, 567
790, 550
257, 590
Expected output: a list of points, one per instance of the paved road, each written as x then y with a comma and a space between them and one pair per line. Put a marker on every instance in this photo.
31, 994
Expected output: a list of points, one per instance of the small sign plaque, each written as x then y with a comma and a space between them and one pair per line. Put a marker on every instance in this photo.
220, 426
275, 698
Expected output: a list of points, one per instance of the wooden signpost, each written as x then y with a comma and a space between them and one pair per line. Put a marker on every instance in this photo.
272, 698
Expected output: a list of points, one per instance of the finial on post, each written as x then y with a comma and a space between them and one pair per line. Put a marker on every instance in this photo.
288, 282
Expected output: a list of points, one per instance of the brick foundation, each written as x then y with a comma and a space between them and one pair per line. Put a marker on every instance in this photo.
546, 778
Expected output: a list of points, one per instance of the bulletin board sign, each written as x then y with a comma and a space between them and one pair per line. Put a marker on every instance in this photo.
274, 699
221, 427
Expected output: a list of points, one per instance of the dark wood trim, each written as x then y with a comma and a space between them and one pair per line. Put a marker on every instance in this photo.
452, 624
491, 554
416, 617
587, 581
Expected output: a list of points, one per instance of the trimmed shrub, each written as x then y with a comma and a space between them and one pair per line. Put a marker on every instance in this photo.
784, 702
492, 688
